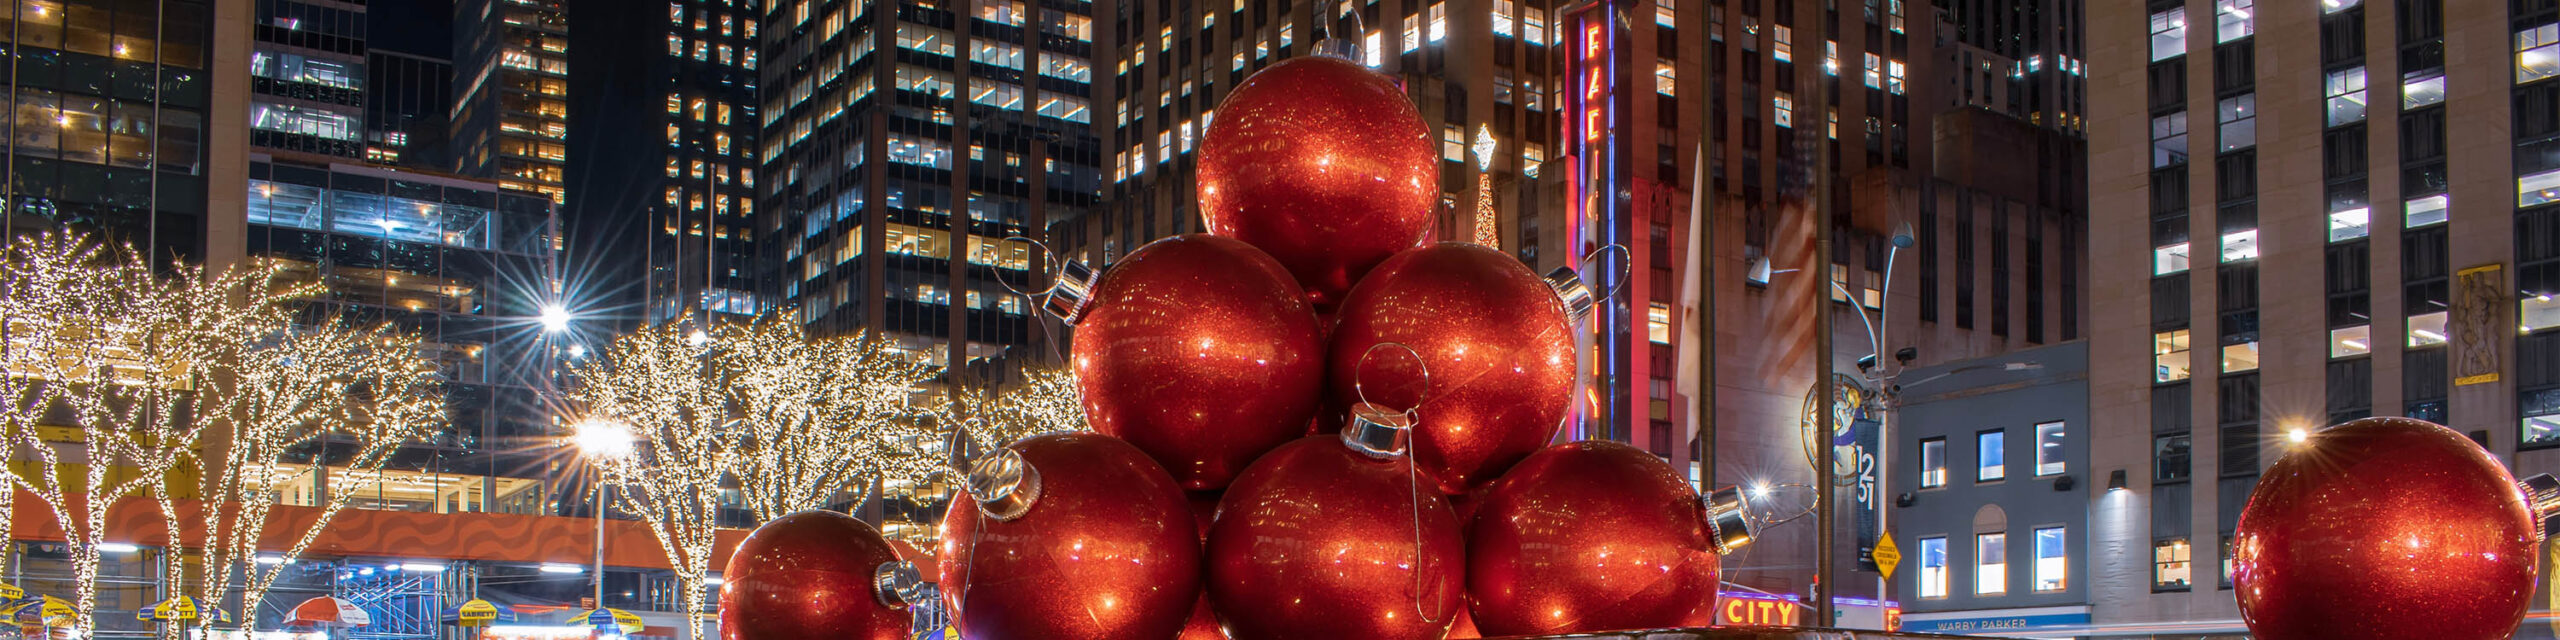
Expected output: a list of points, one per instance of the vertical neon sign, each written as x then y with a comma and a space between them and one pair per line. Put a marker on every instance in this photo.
1593, 202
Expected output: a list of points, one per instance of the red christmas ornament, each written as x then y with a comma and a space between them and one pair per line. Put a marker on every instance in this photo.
1323, 163
1596, 536
1199, 350
817, 575
1069, 535
1498, 345
2389, 528
1204, 619
1320, 540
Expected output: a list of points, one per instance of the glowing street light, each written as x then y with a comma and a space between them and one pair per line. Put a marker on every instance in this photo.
602, 438
554, 318
2297, 435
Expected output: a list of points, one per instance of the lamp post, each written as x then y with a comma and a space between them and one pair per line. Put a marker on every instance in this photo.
606, 442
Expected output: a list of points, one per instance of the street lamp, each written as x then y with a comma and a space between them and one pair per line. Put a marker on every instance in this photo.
604, 441
554, 318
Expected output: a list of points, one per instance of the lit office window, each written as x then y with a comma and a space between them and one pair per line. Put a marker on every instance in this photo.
1933, 567
2169, 259
2430, 210
2349, 342
2541, 423
1933, 463
2334, 6
2540, 188
2053, 559
1782, 44
1990, 563
2049, 450
2240, 246
1439, 21
2420, 92
2349, 220
2345, 89
1665, 77
1503, 12
2169, 356
2426, 329
2538, 310
2537, 53
1784, 108
2232, 20
1992, 455
2237, 358
2169, 560
2168, 34
1658, 323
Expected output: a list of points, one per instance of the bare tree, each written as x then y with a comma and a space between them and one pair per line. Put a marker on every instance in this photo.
822, 416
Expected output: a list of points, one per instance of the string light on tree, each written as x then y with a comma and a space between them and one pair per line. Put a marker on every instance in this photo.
1047, 401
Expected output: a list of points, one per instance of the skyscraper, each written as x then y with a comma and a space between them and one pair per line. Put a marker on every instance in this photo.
511, 86
109, 132
407, 101
901, 146
2346, 228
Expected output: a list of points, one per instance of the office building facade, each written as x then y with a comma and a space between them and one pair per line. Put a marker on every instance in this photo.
2298, 240
510, 119
406, 105
109, 131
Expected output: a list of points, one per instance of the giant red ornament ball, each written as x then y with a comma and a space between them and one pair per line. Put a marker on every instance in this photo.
1590, 536
1319, 541
1495, 340
1106, 549
809, 576
1324, 164
1199, 350
2387, 529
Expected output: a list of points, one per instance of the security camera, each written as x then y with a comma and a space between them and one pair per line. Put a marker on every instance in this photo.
1906, 354
1866, 364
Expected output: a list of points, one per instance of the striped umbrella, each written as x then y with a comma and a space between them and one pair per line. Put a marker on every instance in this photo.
328, 611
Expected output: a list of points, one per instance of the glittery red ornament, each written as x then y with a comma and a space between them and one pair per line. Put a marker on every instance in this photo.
1204, 619
1593, 536
1318, 540
2388, 528
1199, 350
811, 576
1323, 163
1082, 536
1498, 345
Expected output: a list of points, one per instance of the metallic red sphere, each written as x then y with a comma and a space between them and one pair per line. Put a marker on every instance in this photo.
1107, 549
1199, 350
808, 576
1590, 536
1319, 541
2385, 528
1323, 163
1204, 619
1498, 348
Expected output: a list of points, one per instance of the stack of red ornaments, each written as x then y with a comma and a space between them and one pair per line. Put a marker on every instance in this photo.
1316, 422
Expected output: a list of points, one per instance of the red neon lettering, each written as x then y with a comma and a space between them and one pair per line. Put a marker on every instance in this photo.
1591, 124
1591, 40
1595, 86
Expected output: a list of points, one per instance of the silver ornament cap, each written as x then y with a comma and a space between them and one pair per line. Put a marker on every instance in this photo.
1729, 524
2542, 495
1576, 296
1073, 295
898, 585
1004, 484
1378, 432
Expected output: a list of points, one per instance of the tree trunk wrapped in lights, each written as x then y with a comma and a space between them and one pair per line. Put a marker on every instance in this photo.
1047, 401
365, 391
108, 370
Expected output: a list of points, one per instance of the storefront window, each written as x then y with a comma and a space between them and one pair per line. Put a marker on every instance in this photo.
1933, 567
1991, 564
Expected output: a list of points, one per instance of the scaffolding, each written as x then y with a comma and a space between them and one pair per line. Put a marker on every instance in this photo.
402, 601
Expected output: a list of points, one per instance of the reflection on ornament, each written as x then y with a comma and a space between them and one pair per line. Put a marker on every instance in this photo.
817, 575
1597, 536
1331, 536
1069, 535
2389, 528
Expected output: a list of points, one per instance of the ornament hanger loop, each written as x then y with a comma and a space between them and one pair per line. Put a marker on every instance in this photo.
1626, 266
1044, 252
1338, 45
1361, 391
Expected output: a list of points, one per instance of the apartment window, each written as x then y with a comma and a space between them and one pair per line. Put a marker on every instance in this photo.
1933, 463
2537, 53
1990, 563
2049, 449
2232, 20
1875, 71
1503, 10
2169, 259
2349, 221
1665, 76
2241, 357
2240, 246
1453, 143
1782, 44
2539, 188
1991, 455
1933, 567
2238, 120
2053, 559
2169, 356
2346, 96
2168, 34
2172, 458
2426, 329
2169, 140
2538, 310
2349, 342
2169, 560
1439, 21
1784, 107
2421, 92
2425, 211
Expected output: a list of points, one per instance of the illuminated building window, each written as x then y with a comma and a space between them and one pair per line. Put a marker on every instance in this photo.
2537, 53
999, 12
923, 39
1664, 15
2240, 246
2420, 92
1533, 25
1288, 35
1991, 456
1990, 563
2169, 40
702, 50
991, 52
724, 113
2426, 211
1782, 44
673, 170
1893, 76
1066, 68
2169, 564
1370, 53
675, 105
1933, 567
2240, 358
1665, 77
1412, 33
1065, 107
1453, 143
2426, 330
1658, 323
2053, 559
1783, 107
1830, 57
1875, 71
296, 68
2232, 20
995, 94
923, 152
2169, 259
1439, 21
675, 12
1532, 155
2169, 356
2539, 188
1505, 12
1185, 128
305, 120
2348, 342
2346, 95
1933, 463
